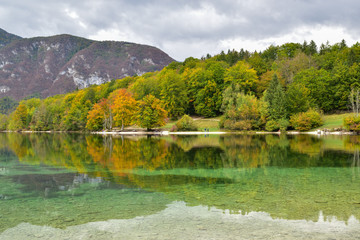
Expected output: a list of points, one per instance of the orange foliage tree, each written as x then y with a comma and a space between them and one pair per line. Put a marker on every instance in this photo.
124, 108
100, 116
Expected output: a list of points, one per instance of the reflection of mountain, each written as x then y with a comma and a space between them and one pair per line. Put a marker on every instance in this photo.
291, 177
62, 200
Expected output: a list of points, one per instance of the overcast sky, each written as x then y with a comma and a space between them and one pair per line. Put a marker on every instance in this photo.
188, 28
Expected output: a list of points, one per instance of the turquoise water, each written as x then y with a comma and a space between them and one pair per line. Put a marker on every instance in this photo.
61, 186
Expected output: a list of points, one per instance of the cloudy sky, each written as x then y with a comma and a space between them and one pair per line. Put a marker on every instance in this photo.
184, 28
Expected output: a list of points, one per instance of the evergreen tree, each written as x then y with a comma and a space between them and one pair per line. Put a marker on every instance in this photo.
276, 100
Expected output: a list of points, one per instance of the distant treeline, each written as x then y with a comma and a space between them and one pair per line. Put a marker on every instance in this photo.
282, 87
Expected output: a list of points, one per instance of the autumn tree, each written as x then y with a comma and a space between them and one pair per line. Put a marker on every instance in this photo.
123, 107
150, 113
18, 119
243, 75
100, 116
76, 113
241, 111
41, 119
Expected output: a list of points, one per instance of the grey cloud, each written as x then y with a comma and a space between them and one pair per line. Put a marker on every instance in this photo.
166, 22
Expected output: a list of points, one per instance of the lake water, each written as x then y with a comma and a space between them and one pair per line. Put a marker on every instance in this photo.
76, 186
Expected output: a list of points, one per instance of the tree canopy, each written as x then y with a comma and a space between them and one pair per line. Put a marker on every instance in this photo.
275, 84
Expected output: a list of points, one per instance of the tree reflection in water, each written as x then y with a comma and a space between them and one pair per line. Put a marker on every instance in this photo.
290, 177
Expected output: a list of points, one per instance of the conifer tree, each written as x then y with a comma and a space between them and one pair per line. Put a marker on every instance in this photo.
276, 100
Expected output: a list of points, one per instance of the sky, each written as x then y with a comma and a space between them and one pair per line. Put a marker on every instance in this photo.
188, 28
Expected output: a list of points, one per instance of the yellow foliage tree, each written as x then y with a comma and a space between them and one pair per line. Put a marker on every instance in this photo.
123, 107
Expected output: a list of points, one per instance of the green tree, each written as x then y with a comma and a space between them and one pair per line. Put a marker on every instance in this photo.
150, 113
173, 93
243, 75
298, 98
3, 122
276, 100
258, 63
41, 119
144, 85
321, 85
7, 105
194, 79
76, 113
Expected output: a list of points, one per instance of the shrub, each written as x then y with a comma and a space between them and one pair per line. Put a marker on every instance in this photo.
283, 124
305, 121
228, 124
238, 125
173, 128
243, 125
272, 126
186, 123
275, 125
352, 123
222, 121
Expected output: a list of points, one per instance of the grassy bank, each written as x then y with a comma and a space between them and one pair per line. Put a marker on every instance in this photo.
201, 123
331, 122
334, 121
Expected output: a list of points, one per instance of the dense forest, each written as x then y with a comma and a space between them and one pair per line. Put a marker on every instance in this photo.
282, 87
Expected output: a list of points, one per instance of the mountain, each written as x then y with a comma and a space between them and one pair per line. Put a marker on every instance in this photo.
6, 38
59, 64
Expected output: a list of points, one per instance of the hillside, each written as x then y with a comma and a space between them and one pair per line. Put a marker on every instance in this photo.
6, 38
59, 64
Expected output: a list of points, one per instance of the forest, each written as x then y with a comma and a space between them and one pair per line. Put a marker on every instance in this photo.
283, 87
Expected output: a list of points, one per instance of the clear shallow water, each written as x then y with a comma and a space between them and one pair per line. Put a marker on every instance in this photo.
232, 187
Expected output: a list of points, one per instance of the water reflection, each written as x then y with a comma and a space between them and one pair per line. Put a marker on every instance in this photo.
288, 177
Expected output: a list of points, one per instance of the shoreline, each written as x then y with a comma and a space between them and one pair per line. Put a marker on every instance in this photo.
167, 133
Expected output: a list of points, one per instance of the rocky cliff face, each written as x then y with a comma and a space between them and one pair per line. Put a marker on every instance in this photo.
63, 63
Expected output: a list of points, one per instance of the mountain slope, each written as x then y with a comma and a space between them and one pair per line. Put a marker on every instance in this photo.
63, 63
6, 38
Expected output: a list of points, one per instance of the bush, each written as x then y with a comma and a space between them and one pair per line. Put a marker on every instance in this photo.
222, 122
173, 128
243, 125
186, 123
283, 124
272, 126
352, 123
305, 121
275, 125
238, 125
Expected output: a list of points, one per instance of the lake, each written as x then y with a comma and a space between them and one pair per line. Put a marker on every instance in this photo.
78, 186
